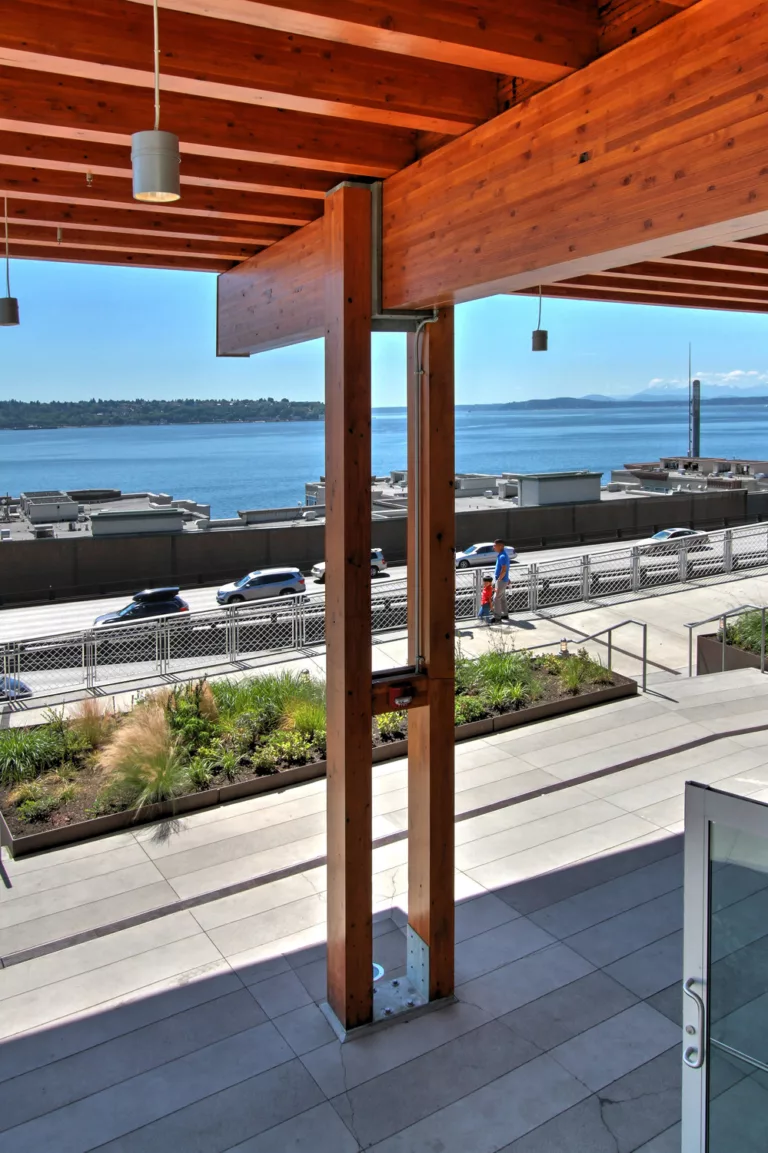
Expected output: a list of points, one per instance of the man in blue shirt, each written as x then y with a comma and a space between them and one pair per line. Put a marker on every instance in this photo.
500, 582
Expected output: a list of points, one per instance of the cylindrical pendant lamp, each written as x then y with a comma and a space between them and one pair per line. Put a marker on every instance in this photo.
540, 336
155, 154
9, 305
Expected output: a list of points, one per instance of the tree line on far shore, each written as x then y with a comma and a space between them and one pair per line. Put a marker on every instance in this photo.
17, 414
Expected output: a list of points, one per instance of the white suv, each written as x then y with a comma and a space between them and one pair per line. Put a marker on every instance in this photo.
378, 564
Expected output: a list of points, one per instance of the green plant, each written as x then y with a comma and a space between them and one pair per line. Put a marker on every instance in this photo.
92, 722
305, 717
26, 753
26, 791
519, 695
264, 760
67, 794
745, 631
145, 761
228, 763
467, 709
573, 674
39, 810
290, 746
391, 725
550, 663
200, 774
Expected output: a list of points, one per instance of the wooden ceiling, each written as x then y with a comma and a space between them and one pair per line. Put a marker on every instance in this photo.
275, 102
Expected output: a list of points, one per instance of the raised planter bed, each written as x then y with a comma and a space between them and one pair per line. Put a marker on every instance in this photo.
44, 839
709, 656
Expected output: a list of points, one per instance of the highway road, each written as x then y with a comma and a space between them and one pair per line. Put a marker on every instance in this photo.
69, 616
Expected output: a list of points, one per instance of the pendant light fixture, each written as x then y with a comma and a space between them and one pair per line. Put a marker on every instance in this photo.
9, 305
155, 154
540, 335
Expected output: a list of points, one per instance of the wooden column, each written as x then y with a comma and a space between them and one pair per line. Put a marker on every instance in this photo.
431, 602
348, 600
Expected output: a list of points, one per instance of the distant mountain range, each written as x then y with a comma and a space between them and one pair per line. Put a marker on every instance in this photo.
678, 396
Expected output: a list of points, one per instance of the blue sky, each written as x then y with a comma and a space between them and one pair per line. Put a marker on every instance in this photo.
115, 332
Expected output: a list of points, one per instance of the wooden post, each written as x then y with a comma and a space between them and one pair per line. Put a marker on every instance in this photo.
431, 600
348, 601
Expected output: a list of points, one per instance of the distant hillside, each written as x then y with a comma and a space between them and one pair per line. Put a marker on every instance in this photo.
113, 413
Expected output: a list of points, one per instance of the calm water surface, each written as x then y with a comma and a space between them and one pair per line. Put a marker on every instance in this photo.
240, 466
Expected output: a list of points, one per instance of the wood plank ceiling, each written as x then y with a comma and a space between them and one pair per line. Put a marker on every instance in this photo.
275, 102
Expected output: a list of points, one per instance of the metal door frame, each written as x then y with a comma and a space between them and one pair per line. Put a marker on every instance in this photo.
703, 807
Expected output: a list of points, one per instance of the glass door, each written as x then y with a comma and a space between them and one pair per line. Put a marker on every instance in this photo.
725, 974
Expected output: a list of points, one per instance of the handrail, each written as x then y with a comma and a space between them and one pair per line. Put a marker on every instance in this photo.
610, 631
723, 616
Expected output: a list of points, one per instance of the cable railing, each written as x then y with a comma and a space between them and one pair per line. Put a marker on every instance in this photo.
722, 619
240, 636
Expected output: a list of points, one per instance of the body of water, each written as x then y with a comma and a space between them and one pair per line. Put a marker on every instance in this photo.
240, 466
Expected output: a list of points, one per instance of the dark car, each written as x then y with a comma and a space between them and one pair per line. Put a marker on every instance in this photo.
145, 605
12, 689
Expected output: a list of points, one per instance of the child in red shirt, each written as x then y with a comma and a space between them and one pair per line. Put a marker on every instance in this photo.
486, 600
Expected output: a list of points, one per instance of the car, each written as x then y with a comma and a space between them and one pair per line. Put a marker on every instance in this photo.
672, 539
378, 564
262, 584
149, 603
481, 554
12, 689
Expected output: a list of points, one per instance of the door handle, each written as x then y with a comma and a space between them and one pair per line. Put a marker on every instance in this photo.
694, 1054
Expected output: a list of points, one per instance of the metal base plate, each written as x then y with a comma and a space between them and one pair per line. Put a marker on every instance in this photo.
394, 1001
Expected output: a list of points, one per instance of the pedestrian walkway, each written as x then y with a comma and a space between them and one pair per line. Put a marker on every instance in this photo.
154, 1012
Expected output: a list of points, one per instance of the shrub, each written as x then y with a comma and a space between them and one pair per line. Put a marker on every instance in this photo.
745, 631
573, 674
391, 726
92, 722
200, 774
290, 746
144, 760
264, 760
467, 709
467, 680
192, 714
39, 810
305, 717
550, 663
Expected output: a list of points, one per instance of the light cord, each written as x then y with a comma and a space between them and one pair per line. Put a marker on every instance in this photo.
7, 251
538, 324
156, 24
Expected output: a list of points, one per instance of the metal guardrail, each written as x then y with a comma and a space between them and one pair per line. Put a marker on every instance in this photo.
581, 641
722, 619
96, 659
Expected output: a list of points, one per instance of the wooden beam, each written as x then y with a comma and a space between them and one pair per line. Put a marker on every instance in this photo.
34, 150
348, 602
721, 256
276, 298
431, 472
279, 210
656, 148
127, 259
574, 292
293, 139
120, 221
672, 274
625, 289
110, 42
108, 154
543, 41
66, 239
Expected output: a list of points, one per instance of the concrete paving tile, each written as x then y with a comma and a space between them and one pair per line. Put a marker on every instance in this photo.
653, 968
499, 946
549, 828
26, 1096
231, 1117
319, 1130
52, 1002
115, 1018
305, 1029
90, 890
245, 844
579, 1129
339, 1068
428, 1083
56, 926
627, 932
669, 1001
564, 1013
504, 790
246, 868
614, 896
566, 850
270, 925
26, 883
591, 762
489, 1117
596, 737
617, 1046
644, 1103
271, 895
135, 1103
99, 847
478, 914
519, 982
689, 762
511, 816
667, 1142
280, 994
